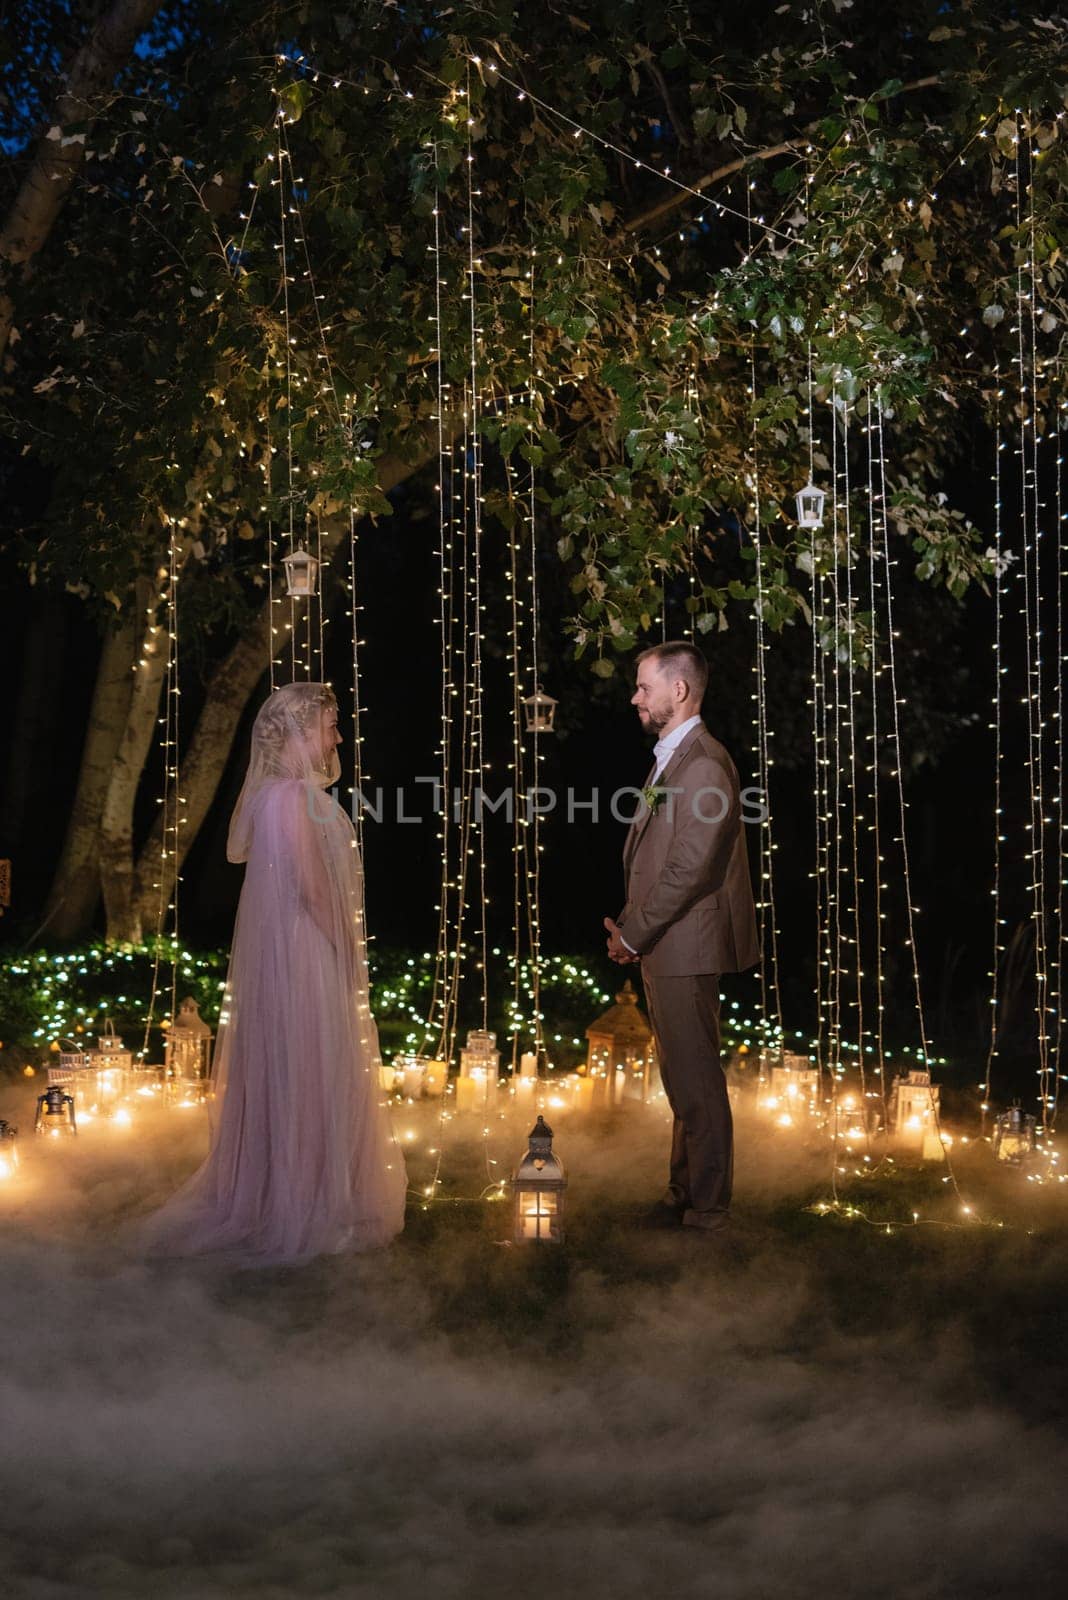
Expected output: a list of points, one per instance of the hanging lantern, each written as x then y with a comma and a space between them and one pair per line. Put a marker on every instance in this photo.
1014, 1136
301, 572
810, 502
621, 1058
9, 1150
55, 1112
188, 1052
540, 712
538, 1186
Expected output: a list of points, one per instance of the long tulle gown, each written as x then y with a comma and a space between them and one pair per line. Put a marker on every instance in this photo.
302, 1160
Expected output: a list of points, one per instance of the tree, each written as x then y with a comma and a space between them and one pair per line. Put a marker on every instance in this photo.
822, 257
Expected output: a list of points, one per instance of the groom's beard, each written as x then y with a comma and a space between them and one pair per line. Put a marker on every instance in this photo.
655, 722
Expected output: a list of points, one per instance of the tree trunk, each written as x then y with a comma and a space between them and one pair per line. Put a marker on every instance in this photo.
115, 846
203, 763
58, 158
29, 760
76, 885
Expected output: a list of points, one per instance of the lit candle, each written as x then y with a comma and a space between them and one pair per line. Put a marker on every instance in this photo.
436, 1074
468, 1094
525, 1089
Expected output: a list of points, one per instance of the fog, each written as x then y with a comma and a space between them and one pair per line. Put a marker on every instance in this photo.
812, 1409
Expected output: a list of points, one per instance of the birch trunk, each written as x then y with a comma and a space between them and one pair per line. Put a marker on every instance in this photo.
76, 884
115, 849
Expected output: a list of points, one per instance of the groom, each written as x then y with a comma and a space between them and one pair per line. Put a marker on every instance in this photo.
689, 916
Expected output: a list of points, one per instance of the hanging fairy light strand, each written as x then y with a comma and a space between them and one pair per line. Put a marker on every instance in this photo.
996, 726
282, 247
167, 885
876, 534
1031, 579
478, 767
1057, 992
532, 844
767, 929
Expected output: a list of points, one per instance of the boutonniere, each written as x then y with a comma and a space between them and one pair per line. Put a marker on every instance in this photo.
654, 797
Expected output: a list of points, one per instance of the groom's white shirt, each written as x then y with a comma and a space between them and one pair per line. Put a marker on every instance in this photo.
663, 751
665, 748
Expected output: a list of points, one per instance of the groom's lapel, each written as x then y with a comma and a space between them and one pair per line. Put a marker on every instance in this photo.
638, 827
641, 817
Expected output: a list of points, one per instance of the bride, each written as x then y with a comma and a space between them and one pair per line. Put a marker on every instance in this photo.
302, 1161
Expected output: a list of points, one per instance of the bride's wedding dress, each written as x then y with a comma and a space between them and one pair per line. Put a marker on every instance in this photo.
302, 1160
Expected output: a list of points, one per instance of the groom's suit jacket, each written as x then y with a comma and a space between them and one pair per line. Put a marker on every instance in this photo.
686, 872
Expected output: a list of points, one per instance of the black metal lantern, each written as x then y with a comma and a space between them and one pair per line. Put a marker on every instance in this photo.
1014, 1136
9, 1150
301, 573
55, 1112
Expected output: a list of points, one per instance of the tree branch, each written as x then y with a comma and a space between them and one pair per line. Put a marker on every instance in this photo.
56, 164
680, 196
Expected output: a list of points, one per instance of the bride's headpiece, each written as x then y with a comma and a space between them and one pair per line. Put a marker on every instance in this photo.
286, 743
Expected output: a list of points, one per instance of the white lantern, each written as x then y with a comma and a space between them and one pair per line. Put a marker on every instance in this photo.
540, 712
853, 1121
301, 572
188, 1051
112, 1065
810, 502
9, 1150
538, 1186
1014, 1136
915, 1114
480, 1055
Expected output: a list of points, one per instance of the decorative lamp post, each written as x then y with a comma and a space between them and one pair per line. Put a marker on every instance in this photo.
538, 1186
539, 709
621, 1058
301, 572
9, 1150
188, 1051
810, 502
55, 1112
1014, 1136
914, 1114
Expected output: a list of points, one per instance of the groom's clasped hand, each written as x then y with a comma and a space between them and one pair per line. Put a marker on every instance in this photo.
617, 950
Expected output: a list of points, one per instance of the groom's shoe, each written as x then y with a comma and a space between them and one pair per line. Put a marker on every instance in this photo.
662, 1215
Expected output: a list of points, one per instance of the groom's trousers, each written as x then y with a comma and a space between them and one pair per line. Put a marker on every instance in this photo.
684, 1013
